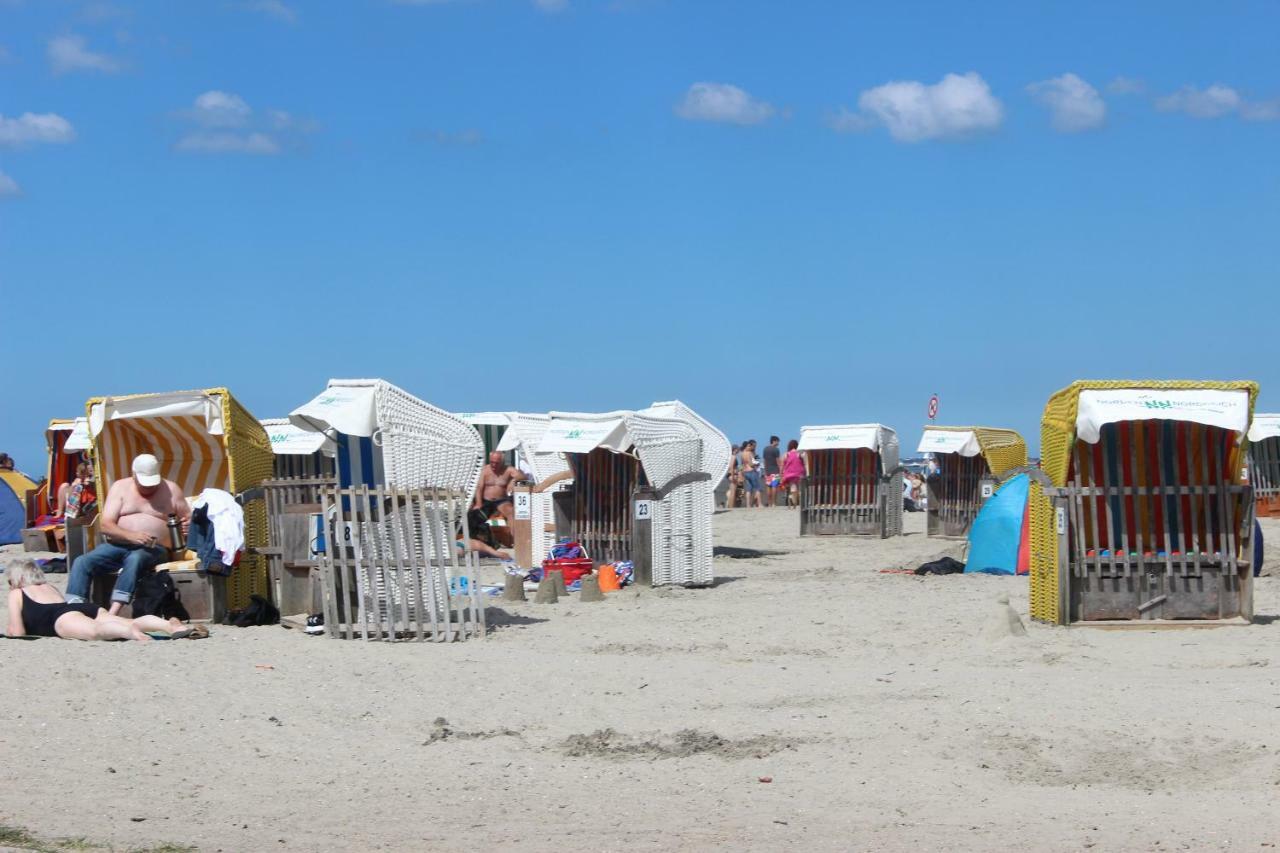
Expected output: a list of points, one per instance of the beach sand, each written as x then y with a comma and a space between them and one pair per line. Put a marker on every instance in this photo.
806, 701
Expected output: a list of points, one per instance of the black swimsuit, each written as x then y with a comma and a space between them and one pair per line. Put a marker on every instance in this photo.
39, 618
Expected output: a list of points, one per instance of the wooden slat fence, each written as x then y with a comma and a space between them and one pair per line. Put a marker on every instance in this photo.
955, 494
600, 502
388, 559
843, 493
1264, 473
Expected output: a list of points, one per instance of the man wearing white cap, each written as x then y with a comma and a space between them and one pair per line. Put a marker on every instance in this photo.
134, 532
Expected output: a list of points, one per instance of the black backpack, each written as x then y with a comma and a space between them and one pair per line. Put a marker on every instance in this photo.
156, 595
259, 612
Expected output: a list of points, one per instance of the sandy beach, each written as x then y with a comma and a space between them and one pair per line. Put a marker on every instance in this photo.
807, 701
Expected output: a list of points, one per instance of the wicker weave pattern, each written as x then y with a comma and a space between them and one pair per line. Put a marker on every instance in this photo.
249, 461
1057, 438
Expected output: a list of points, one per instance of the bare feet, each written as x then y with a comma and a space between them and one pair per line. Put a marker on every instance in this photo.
139, 634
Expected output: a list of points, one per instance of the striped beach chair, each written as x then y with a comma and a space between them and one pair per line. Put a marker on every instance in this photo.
1142, 512
971, 461
854, 484
202, 439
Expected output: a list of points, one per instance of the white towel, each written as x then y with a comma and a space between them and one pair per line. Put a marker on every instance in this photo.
227, 518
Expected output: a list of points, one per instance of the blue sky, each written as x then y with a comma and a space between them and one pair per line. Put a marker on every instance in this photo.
782, 213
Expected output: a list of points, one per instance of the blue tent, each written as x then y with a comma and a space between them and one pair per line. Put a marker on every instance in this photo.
13, 506
996, 537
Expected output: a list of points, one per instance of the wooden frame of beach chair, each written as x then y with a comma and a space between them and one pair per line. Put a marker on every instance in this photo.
969, 458
1151, 521
304, 464
853, 485
1264, 463
202, 439
656, 455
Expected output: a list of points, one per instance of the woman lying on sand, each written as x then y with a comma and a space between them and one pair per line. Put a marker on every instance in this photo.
37, 609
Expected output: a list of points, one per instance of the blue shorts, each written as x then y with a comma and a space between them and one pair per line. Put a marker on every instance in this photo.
751, 481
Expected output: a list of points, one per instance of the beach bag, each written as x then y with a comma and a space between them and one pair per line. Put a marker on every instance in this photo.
157, 595
259, 612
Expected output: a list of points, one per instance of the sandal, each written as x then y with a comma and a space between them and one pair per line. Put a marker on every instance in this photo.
198, 632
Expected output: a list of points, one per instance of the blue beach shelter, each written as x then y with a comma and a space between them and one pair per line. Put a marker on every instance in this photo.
998, 535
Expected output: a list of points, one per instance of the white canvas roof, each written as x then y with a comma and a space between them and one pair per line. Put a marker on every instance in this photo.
580, 433
79, 438
178, 403
1264, 426
347, 406
841, 437
290, 440
964, 442
486, 418
1226, 409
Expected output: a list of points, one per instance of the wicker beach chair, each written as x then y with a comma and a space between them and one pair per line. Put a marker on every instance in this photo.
385, 436
1264, 462
969, 459
67, 442
202, 439
854, 484
612, 456
299, 453
1142, 513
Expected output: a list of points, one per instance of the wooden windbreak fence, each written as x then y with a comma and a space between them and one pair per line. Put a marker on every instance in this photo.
955, 494
297, 466
1264, 474
843, 493
600, 502
1154, 524
291, 540
391, 569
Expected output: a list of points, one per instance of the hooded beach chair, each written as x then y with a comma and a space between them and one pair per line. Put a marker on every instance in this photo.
67, 442
203, 440
640, 468
1147, 515
970, 461
853, 485
1264, 462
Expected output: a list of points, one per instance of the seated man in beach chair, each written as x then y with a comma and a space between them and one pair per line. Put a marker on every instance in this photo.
134, 531
493, 493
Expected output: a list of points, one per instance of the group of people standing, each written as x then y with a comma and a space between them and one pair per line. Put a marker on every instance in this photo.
766, 475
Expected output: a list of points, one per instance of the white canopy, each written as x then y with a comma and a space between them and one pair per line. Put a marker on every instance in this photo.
842, 437
288, 439
962, 441
178, 403
1264, 426
348, 406
486, 418
1226, 409
572, 433
79, 438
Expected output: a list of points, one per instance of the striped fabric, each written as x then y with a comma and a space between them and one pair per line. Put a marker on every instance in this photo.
188, 455
359, 462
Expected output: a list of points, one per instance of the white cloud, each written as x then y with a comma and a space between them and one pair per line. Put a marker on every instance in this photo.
274, 9
219, 109
9, 187
1214, 102
224, 123
33, 128
845, 120
1074, 104
1127, 86
69, 53
227, 142
551, 6
722, 102
1261, 110
957, 105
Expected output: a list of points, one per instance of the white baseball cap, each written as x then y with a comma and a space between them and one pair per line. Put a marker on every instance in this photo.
146, 470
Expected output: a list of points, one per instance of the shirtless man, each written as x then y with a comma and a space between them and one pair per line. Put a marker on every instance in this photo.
135, 532
494, 491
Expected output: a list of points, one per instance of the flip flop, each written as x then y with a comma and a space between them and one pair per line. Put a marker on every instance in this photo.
198, 632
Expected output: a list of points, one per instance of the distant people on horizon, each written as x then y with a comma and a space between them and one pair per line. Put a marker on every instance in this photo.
793, 471
772, 469
752, 482
735, 478
6, 462
908, 494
